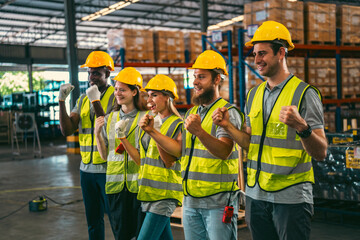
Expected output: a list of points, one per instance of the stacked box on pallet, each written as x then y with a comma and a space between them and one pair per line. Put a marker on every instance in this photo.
350, 77
169, 46
179, 81
322, 74
320, 22
138, 44
193, 44
296, 66
348, 20
329, 119
288, 13
234, 28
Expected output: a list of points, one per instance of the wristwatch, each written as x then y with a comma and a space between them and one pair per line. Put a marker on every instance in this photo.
306, 133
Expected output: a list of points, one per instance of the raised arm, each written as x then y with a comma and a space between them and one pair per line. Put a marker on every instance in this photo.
315, 144
170, 145
99, 124
68, 124
219, 147
241, 137
120, 128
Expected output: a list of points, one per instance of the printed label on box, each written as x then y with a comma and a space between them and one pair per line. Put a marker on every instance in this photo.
352, 160
261, 15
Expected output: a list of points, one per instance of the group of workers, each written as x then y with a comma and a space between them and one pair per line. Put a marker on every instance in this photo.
141, 161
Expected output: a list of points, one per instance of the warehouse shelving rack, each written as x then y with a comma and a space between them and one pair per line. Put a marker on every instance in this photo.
185, 65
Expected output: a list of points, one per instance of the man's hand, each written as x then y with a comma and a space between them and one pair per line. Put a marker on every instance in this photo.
147, 123
99, 123
221, 117
120, 128
65, 90
93, 93
193, 124
291, 117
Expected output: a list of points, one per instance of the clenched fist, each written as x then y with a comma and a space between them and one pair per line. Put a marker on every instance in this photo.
291, 117
221, 117
65, 90
193, 124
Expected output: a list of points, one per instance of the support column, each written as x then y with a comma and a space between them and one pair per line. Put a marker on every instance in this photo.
29, 67
71, 49
204, 15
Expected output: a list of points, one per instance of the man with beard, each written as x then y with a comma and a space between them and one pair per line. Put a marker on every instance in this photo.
285, 128
209, 163
82, 117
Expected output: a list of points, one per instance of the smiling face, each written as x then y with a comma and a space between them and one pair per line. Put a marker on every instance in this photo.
204, 87
123, 94
98, 76
157, 101
267, 63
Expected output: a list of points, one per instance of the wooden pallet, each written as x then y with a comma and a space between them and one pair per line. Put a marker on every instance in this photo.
355, 44
176, 218
321, 43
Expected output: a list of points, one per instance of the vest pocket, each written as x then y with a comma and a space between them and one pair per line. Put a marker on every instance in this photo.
254, 113
284, 160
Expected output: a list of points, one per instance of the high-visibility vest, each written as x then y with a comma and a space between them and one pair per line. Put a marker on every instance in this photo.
156, 182
87, 141
203, 173
276, 157
121, 168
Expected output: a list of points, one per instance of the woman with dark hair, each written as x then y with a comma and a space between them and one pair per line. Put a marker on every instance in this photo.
122, 170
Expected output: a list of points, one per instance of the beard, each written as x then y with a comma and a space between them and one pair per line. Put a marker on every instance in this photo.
206, 97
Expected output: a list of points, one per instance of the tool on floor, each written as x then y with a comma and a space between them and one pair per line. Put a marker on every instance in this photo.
38, 205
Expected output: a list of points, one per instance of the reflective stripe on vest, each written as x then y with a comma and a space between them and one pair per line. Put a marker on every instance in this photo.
87, 141
204, 174
276, 157
156, 182
121, 168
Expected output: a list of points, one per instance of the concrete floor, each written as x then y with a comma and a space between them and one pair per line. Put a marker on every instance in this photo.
56, 175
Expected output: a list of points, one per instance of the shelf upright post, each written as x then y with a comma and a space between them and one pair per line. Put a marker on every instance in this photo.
230, 63
122, 58
188, 93
241, 69
338, 121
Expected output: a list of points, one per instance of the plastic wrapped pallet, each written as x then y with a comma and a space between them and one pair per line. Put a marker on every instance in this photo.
338, 176
138, 44
350, 77
288, 13
169, 46
320, 23
322, 74
193, 44
348, 20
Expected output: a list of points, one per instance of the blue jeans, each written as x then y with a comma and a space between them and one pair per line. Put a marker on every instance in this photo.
200, 223
95, 201
155, 227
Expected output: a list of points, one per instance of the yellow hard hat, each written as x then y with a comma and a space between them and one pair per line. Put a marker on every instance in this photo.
210, 59
162, 83
99, 59
130, 76
269, 31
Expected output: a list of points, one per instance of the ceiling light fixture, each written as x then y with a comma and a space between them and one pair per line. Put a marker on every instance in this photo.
108, 10
227, 22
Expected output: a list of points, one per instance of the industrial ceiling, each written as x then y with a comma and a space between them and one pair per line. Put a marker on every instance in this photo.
42, 22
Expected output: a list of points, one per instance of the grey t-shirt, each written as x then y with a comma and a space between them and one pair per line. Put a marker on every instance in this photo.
220, 199
311, 110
